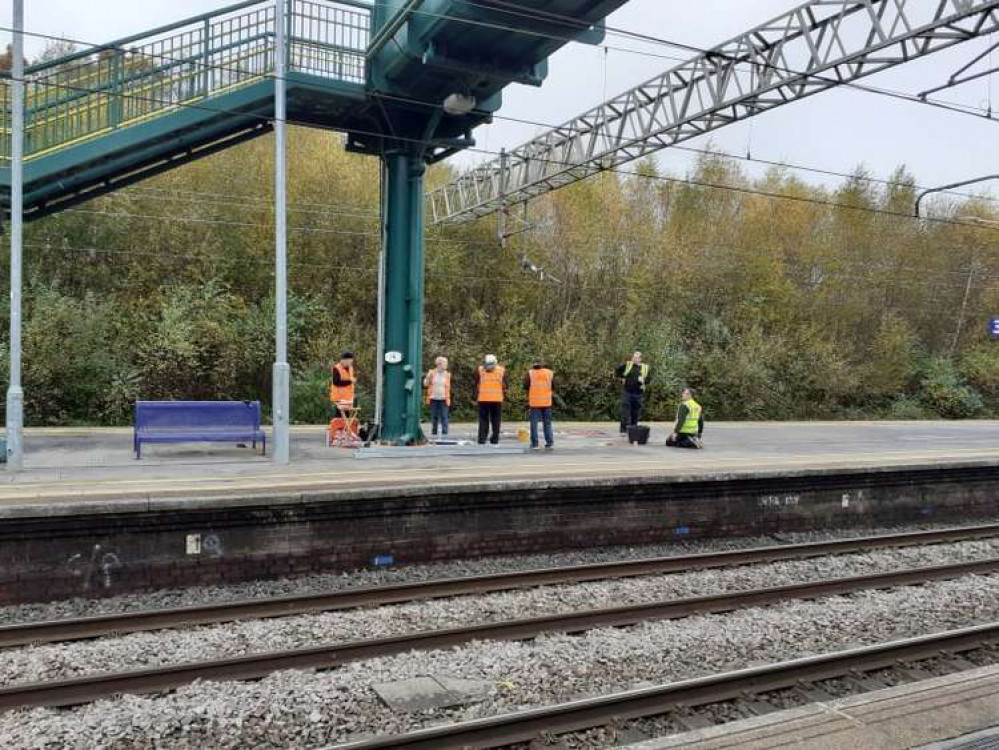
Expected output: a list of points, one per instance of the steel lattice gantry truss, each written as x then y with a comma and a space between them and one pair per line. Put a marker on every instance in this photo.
810, 49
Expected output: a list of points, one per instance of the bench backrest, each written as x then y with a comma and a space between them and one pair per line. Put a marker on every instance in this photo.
198, 414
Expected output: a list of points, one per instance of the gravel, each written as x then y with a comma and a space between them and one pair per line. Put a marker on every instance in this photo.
137, 650
178, 597
306, 710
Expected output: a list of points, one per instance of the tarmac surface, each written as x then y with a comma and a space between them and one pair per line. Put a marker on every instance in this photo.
70, 464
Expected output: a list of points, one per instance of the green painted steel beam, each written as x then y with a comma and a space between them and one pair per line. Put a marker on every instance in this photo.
403, 313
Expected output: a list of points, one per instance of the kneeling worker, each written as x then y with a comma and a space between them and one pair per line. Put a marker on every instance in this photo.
689, 423
539, 385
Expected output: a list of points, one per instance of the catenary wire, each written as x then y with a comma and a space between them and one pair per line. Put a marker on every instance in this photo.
955, 106
474, 149
619, 285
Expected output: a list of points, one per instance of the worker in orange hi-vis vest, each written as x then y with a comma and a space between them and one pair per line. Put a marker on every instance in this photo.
540, 386
342, 380
490, 390
438, 385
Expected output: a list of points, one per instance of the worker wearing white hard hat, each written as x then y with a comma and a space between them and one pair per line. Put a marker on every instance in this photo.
490, 390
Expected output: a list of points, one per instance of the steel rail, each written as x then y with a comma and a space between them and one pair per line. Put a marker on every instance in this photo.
71, 629
156, 679
634, 704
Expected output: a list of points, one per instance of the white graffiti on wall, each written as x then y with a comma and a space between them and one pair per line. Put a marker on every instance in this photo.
97, 570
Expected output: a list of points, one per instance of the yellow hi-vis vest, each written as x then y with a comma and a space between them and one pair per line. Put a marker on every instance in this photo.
643, 372
692, 423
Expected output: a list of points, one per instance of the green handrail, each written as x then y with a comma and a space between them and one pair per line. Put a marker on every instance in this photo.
88, 93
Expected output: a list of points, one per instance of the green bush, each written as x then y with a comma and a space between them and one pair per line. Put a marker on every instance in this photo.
944, 392
906, 407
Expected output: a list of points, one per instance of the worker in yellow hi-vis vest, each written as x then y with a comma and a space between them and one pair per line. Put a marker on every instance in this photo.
689, 423
634, 376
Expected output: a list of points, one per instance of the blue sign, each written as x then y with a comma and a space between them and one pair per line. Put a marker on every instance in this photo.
994, 328
382, 560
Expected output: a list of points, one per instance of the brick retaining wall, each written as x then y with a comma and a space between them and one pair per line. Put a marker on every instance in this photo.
112, 552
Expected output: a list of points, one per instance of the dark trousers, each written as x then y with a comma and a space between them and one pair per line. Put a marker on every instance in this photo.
545, 415
490, 413
682, 440
631, 410
438, 416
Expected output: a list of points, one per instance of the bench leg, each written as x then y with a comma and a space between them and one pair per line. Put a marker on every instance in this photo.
263, 445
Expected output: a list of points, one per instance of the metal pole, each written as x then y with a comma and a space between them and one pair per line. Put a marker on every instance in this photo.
942, 188
380, 344
15, 395
282, 371
964, 307
501, 216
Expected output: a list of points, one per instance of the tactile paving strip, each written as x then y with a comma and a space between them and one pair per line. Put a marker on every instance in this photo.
984, 740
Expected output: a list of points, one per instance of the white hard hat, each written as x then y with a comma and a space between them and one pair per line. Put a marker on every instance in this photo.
490, 359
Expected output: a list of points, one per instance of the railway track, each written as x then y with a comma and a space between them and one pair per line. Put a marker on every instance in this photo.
90, 688
160, 619
799, 675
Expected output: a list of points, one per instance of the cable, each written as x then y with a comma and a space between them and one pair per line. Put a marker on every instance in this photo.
427, 142
221, 222
574, 23
226, 222
244, 198
544, 15
132, 51
622, 284
770, 162
121, 195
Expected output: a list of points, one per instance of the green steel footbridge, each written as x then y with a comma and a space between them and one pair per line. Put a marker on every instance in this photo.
406, 80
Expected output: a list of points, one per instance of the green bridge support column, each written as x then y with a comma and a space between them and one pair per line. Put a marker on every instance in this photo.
403, 362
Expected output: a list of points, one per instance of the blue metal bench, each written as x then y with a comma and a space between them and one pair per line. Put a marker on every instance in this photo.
197, 422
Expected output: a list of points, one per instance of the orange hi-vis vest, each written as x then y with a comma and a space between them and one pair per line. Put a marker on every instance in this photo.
491, 385
343, 394
539, 396
432, 380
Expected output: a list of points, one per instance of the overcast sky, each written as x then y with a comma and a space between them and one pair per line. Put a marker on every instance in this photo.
836, 130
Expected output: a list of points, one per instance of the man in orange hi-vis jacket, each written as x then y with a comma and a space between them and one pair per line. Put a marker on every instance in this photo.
490, 389
540, 385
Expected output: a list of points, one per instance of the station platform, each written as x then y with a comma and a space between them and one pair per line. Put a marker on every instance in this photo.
84, 517
73, 466
955, 712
